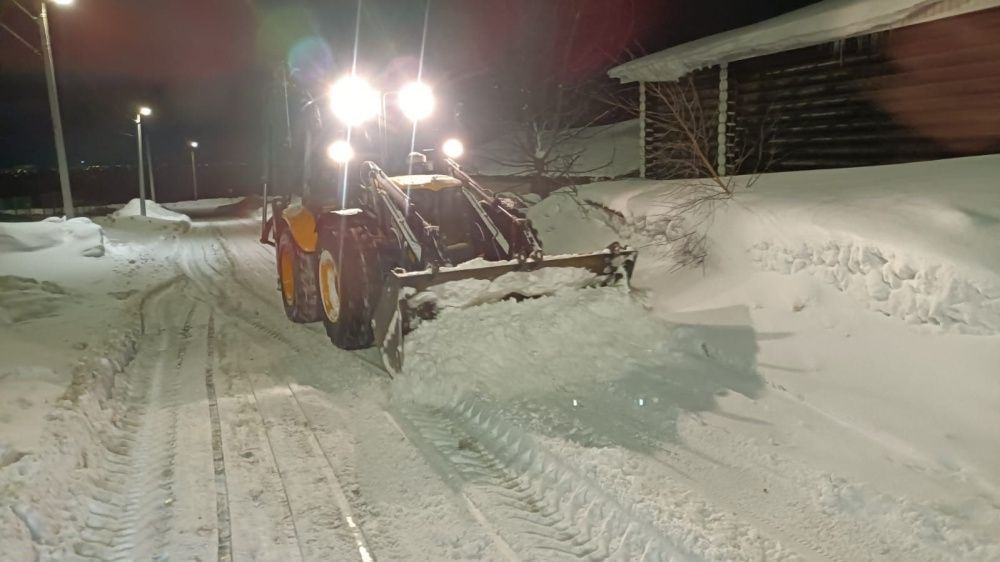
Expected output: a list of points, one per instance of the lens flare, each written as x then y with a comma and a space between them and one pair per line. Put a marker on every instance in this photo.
340, 151
353, 100
453, 148
416, 101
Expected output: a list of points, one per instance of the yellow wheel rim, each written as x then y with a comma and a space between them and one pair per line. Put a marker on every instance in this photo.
286, 261
329, 285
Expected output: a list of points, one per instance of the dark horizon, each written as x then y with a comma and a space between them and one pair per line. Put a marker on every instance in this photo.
204, 67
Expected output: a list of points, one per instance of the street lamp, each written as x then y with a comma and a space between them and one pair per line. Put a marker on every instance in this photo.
194, 169
50, 82
143, 112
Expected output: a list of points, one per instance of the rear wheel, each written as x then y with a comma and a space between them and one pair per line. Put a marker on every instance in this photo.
345, 267
297, 280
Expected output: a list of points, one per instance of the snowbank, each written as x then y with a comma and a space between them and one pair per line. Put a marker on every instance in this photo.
79, 236
157, 217
206, 207
844, 310
830, 20
799, 258
918, 242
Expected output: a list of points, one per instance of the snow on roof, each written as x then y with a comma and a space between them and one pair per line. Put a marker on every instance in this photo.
825, 21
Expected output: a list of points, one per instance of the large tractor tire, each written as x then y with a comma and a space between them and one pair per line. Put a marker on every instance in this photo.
297, 280
346, 269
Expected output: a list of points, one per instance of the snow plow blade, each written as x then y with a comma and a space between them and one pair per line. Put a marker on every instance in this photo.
411, 297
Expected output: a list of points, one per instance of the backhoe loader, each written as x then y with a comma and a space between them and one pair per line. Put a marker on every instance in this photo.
362, 255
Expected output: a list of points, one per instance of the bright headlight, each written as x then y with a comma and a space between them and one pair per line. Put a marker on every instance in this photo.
453, 148
353, 100
416, 100
340, 151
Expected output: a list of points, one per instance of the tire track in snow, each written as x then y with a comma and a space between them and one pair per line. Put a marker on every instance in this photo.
549, 510
225, 530
316, 411
264, 528
308, 476
135, 501
112, 519
451, 472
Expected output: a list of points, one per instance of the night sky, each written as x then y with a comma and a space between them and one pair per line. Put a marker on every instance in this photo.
202, 64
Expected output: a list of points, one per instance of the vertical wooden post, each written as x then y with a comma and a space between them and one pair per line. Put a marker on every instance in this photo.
642, 129
722, 142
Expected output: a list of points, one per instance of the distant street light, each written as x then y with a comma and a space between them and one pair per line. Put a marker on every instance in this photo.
50, 81
143, 112
194, 169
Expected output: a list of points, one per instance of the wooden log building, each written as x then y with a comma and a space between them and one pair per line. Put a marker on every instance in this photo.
840, 83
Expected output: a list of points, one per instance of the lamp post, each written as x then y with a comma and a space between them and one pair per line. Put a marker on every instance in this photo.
50, 82
149, 161
143, 112
194, 169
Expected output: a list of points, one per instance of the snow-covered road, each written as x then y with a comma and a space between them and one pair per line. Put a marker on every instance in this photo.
577, 426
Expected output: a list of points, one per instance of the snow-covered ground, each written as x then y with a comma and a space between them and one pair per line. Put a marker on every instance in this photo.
823, 387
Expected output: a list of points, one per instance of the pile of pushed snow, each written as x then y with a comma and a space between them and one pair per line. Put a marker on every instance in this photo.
157, 217
79, 235
207, 207
917, 242
471, 292
895, 284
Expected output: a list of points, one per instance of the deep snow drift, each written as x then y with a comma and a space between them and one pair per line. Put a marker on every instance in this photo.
837, 347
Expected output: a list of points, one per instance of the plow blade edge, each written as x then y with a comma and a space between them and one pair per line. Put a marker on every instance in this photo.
409, 297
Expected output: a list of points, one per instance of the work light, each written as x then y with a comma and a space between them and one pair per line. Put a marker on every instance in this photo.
416, 101
353, 100
340, 151
453, 148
